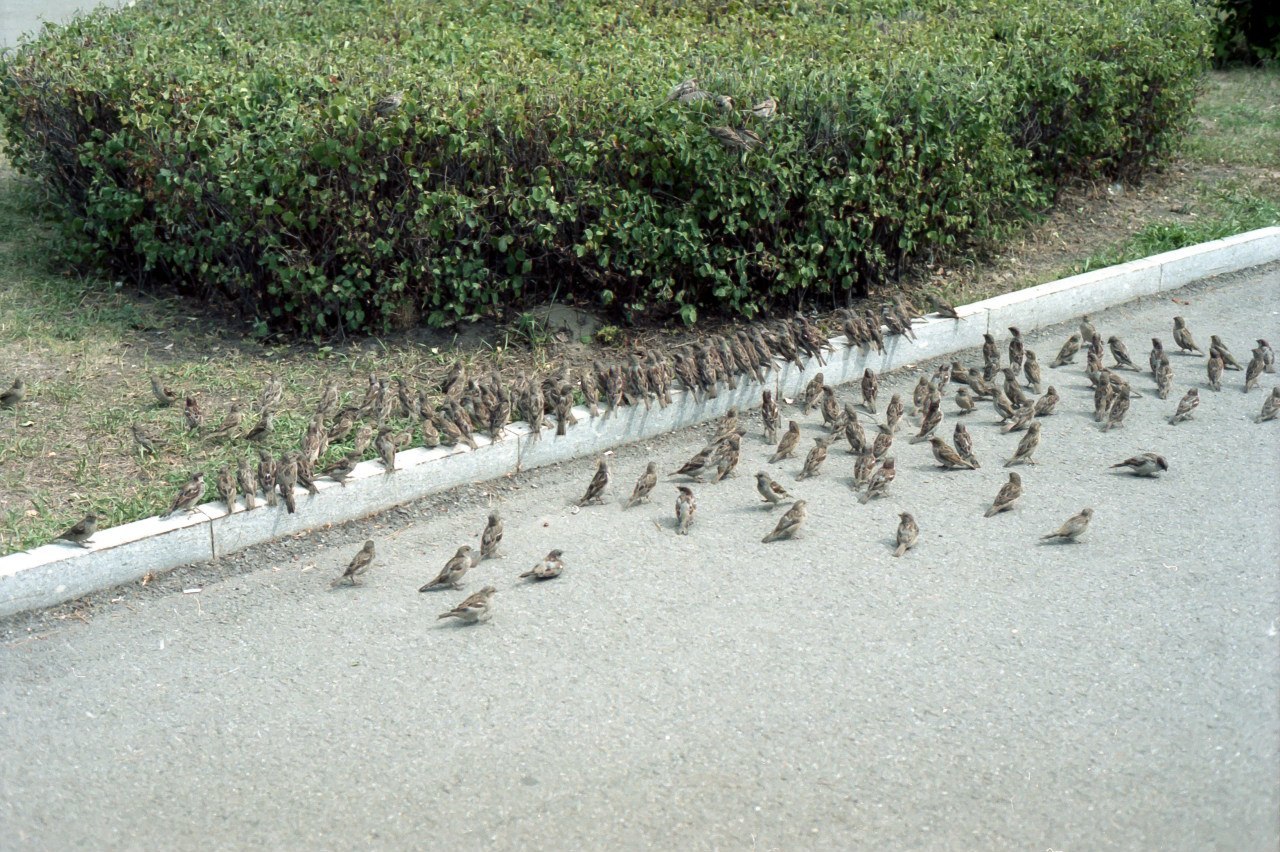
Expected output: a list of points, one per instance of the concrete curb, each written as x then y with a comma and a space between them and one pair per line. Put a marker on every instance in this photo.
56, 573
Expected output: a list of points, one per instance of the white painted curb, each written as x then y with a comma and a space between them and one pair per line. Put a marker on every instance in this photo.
55, 573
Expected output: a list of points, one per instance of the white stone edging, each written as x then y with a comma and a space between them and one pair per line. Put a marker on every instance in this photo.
59, 572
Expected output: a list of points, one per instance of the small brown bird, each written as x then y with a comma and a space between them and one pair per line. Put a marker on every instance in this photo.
947, 457
878, 484
189, 494
1027, 446
1072, 529
272, 393
230, 423
146, 445
491, 538
813, 461
1182, 337
870, 387
226, 485
82, 531
329, 400
1000, 401
832, 416
1144, 464
894, 412
1215, 368
342, 469
165, 397
1164, 380
932, 420
1186, 407
788, 524
727, 453
787, 446
908, 532
1268, 356
551, 566
853, 431
287, 479
389, 104
1021, 419
739, 139
1121, 353
1270, 406
193, 415
476, 608
964, 400
769, 490
686, 507
248, 486
1119, 408
267, 477
883, 442
263, 428
1008, 495
767, 108
686, 91
1045, 405
1157, 357
599, 482
386, 448
1087, 331
964, 445
1253, 372
770, 415
644, 485
1031, 370
812, 393
451, 574
359, 564
1017, 350
1067, 354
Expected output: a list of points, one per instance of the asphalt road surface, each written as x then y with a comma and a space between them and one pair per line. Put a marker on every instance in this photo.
25, 17
711, 691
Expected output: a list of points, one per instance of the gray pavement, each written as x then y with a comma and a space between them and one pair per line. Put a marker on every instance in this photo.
710, 691
26, 17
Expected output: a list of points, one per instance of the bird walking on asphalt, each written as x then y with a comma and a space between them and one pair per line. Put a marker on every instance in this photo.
878, 484
644, 485
908, 532
789, 524
451, 574
551, 566
1144, 464
1182, 337
686, 507
473, 609
1186, 407
1072, 529
359, 564
769, 490
787, 446
491, 537
1007, 496
1027, 446
598, 484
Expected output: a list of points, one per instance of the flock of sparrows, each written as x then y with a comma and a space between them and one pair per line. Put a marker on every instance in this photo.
737, 136
466, 405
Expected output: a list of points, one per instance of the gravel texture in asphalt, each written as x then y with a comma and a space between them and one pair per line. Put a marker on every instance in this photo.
711, 691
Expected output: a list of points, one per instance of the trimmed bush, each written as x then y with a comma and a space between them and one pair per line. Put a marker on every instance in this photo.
244, 149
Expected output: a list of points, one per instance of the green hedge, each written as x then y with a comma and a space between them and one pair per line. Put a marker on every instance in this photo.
236, 149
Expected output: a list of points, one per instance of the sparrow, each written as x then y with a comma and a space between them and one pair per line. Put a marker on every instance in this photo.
1164, 380
491, 537
551, 566
878, 484
1044, 406
787, 446
306, 474
1118, 409
1215, 367
226, 484
1003, 407
146, 445
932, 420
908, 532
272, 393
230, 423
193, 415
1031, 370
870, 386
82, 531
1186, 407
474, 609
1027, 446
1268, 356
1087, 331
1013, 389
1008, 495
267, 477
770, 415
164, 396
264, 427
341, 469
1072, 529
788, 524
990, 351
686, 506
1157, 357
343, 425
944, 309
1121, 354
386, 450
644, 485
599, 482
853, 431
964, 401
686, 92
1182, 337
388, 104
726, 456
248, 486
1067, 354
1270, 406
767, 108
359, 564
1145, 464
832, 416
1254, 371
964, 445
947, 457
451, 574
918, 395
287, 480
882, 443
813, 461
740, 139
812, 392
862, 468
189, 494
771, 491
1017, 350
893, 413
329, 400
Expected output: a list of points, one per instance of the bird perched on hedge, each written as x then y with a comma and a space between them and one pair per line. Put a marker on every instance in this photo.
766, 109
82, 531
908, 532
740, 139
189, 494
1072, 529
454, 570
1144, 464
686, 91
598, 484
551, 566
789, 524
686, 508
475, 608
389, 104
359, 564
1009, 494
